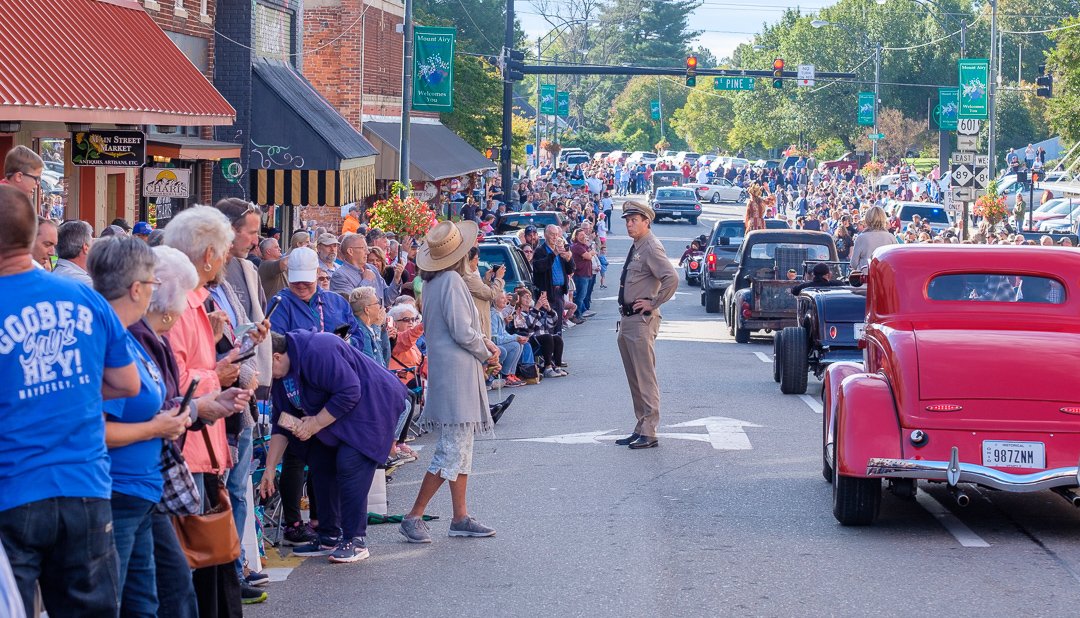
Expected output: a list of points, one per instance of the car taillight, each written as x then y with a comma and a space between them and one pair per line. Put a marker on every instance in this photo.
746, 309
693, 264
697, 206
1071, 410
832, 332
711, 261
944, 407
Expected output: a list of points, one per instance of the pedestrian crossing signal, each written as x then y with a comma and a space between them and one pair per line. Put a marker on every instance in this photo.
691, 71
778, 73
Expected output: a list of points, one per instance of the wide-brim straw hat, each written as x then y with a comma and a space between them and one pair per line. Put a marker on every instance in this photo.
445, 245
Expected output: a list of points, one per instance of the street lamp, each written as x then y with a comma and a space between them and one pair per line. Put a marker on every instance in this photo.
961, 23
821, 23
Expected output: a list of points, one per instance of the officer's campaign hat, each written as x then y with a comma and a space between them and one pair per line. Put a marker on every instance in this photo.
631, 207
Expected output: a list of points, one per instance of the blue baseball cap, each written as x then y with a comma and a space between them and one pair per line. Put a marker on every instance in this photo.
142, 228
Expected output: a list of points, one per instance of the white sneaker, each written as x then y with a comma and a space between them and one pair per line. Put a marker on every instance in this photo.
551, 373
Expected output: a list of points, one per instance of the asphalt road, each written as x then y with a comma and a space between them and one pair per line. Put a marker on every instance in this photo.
727, 517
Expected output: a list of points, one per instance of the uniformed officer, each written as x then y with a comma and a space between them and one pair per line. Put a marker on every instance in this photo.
648, 280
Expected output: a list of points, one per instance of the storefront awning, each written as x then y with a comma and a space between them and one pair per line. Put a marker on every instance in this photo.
435, 152
99, 62
190, 148
302, 151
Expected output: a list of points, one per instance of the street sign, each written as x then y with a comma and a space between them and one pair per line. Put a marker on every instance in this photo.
733, 83
966, 142
982, 177
948, 101
974, 82
563, 103
547, 99
529, 149
875, 136
963, 157
866, 109
982, 160
961, 194
806, 75
961, 176
968, 126
654, 109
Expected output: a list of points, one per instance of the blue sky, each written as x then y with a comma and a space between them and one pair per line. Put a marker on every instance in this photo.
726, 23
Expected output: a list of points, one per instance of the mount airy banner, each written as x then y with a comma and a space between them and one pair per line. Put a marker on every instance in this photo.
433, 69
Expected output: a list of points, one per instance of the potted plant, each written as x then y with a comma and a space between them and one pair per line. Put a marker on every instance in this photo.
991, 206
404, 216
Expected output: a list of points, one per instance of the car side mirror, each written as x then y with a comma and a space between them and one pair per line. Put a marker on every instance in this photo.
723, 241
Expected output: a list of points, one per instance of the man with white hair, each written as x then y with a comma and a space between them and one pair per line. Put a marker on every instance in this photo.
553, 265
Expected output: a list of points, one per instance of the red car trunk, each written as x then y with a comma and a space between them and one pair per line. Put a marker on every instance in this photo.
1001, 373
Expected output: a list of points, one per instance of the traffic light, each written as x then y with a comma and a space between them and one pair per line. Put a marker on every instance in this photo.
691, 71
778, 73
513, 65
1044, 83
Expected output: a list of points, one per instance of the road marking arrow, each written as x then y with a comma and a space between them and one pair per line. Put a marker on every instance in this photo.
724, 434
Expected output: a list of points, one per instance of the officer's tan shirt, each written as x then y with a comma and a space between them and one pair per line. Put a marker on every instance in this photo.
650, 274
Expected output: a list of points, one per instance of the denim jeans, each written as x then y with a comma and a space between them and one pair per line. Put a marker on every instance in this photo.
581, 292
175, 590
237, 481
132, 529
588, 295
509, 355
66, 546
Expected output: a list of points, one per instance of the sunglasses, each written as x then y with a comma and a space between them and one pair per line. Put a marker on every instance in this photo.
321, 279
409, 320
247, 211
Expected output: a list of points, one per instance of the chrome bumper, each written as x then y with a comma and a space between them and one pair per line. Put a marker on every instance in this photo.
953, 472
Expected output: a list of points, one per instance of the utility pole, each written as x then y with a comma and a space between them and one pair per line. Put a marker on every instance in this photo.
536, 152
406, 97
991, 90
505, 167
877, 95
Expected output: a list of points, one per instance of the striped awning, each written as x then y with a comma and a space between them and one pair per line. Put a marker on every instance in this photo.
333, 188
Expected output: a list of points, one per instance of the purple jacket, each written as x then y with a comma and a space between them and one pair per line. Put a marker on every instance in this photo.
364, 397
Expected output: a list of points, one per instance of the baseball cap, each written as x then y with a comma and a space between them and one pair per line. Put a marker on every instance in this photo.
529, 229
328, 239
142, 228
821, 269
303, 264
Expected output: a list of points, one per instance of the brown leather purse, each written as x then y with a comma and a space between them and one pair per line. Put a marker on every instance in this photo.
210, 539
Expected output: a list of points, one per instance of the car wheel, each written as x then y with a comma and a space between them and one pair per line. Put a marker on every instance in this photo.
715, 199
776, 349
743, 195
856, 500
742, 335
702, 298
793, 370
712, 302
692, 220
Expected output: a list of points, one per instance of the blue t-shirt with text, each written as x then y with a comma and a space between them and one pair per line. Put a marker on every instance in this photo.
136, 468
56, 338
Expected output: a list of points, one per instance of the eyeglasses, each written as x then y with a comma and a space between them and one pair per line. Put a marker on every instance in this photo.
247, 211
321, 279
409, 320
37, 179
155, 283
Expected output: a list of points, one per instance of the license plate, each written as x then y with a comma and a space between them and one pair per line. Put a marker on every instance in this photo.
860, 330
1002, 454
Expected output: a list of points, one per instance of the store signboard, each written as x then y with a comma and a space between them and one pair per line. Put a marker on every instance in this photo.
108, 148
166, 182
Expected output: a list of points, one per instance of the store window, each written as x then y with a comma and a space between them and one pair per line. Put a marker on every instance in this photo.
54, 183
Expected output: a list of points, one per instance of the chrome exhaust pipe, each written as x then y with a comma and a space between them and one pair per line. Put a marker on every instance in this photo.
959, 496
1068, 494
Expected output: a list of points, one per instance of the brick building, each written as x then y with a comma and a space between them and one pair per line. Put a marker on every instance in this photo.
299, 157
353, 56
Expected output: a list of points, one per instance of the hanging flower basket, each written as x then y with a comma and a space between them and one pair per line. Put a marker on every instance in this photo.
991, 206
872, 170
406, 216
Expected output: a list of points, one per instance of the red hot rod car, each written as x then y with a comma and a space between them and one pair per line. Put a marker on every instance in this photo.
970, 369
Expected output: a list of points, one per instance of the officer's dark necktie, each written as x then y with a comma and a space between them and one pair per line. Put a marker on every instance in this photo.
622, 277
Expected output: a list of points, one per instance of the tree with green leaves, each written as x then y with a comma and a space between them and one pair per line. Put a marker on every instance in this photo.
1064, 63
706, 119
631, 120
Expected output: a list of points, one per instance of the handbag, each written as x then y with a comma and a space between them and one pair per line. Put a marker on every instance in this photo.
209, 539
179, 496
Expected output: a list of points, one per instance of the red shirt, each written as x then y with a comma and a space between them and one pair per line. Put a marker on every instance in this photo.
583, 267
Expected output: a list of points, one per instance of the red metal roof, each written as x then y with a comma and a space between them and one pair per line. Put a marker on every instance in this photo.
99, 61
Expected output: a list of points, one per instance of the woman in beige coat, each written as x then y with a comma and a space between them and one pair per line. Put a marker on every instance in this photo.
456, 403
484, 289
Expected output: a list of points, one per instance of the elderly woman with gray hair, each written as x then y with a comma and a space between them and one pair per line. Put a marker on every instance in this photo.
205, 236
128, 274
